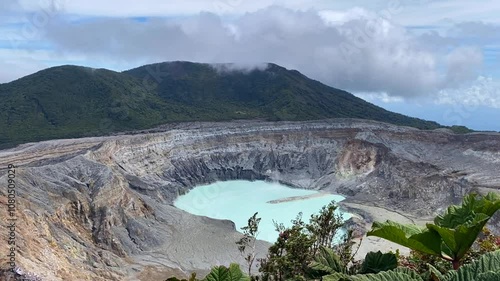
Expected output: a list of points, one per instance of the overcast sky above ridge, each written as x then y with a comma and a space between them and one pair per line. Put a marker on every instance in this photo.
437, 59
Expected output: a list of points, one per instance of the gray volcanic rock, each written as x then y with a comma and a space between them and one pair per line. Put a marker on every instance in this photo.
102, 208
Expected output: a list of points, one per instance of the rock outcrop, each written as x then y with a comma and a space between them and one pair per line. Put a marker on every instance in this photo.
102, 208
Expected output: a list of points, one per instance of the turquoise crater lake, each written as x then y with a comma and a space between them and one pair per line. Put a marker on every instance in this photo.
239, 200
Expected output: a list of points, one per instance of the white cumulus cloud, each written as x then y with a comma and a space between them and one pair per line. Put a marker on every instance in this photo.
484, 91
360, 52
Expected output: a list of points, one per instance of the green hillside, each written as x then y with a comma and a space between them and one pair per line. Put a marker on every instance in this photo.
74, 101
275, 94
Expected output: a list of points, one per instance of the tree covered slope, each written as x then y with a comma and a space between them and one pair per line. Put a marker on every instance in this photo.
73, 101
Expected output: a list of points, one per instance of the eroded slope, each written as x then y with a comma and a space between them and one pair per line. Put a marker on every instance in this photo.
101, 208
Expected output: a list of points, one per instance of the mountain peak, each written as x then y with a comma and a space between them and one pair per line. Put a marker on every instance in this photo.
72, 101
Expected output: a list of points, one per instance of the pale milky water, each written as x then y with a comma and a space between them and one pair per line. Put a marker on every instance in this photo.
239, 200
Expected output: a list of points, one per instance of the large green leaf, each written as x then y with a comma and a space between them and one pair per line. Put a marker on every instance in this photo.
434, 273
466, 213
376, 262
411, 236
382, 276
489, 276
490, 205
460, 225
222, 273
410, 272
327, 261
489, 263
452, 233
460, 239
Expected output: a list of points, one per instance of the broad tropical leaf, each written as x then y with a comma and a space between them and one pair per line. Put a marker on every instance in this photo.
460, 225
458, 240
376, 262
222, 273
434, 272
327, 261
489, 276
471, 205
411, 236
489, 263
382, 276
452, 233
409, 272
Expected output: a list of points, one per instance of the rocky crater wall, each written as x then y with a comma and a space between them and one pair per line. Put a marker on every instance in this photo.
101, 208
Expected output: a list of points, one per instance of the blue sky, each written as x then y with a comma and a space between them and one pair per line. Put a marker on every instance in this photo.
436, 60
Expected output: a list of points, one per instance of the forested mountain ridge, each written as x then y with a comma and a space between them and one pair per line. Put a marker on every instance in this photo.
74, 101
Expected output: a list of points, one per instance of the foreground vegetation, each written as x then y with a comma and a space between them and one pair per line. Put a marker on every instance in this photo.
455, 247
73, 101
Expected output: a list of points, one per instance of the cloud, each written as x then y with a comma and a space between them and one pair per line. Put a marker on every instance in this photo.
484, 91
162, 8
476, 30
17, 68
245, 68
463, 64
361, 52
447, 12
355, 49
414, 12
388, 51
383, 97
